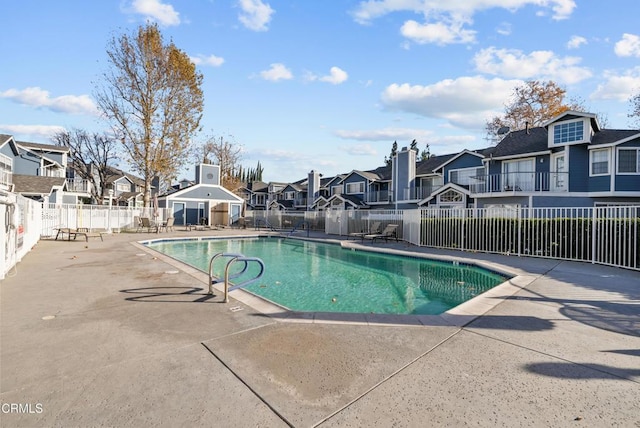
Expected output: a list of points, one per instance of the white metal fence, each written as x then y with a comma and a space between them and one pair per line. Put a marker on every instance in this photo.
604, 235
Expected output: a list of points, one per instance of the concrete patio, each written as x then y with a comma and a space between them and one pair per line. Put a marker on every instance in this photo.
105, 334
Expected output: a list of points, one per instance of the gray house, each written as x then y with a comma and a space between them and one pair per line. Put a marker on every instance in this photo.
203, 202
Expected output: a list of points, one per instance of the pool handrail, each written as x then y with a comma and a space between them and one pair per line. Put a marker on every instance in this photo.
246, 260
212, 278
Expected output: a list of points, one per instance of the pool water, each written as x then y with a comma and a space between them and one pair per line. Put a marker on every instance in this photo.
317, 277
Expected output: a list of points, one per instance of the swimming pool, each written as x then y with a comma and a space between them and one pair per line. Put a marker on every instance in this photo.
318, 277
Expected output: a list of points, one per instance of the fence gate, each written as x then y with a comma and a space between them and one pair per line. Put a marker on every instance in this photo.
336, 222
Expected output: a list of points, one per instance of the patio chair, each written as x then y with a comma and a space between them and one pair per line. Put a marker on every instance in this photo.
390, 231
374, 229
146, 223
167, 225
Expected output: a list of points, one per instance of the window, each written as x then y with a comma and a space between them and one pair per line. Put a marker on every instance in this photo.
336, 190
465, 176
599, 162
629, 161
451, 196
123, 187
568, 132
355, 187
6, 168
289, 195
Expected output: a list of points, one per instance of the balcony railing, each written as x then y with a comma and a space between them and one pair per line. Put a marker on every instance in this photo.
78, 185
417, 193
6, 178
300, 202
377, 196
520, 182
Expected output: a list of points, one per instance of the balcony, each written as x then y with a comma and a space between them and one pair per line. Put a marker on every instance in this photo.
377, 196
515, 182
6, 179
417, 193
300, 202
78, 185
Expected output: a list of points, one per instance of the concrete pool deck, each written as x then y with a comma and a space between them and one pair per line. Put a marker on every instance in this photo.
105, 334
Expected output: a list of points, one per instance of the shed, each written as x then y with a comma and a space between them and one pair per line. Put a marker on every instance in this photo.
203, 202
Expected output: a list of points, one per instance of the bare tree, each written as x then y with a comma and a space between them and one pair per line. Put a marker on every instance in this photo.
91, 155
635, 109
152, 96
533, 103
226, 152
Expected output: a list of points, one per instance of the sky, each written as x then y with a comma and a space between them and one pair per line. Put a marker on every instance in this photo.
326, 85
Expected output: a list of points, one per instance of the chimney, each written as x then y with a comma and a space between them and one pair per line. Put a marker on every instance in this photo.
313, 187
404, 173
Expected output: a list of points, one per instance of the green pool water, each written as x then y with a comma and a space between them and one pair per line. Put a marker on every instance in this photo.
317, 277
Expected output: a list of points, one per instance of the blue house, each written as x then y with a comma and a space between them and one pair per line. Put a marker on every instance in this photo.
36, 171
204, 201
568, 162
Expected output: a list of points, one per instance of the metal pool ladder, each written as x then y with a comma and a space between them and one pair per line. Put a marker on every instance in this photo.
233, 258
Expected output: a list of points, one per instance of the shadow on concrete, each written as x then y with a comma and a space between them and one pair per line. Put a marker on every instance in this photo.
632, 352
611, 316
520, 323
566, 370
170, 295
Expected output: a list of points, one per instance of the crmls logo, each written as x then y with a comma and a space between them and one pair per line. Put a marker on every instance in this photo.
21, 408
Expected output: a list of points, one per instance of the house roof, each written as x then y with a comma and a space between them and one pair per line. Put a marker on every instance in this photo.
43, 147
428, 166
36, 185
115, 173
608, 136
521, 142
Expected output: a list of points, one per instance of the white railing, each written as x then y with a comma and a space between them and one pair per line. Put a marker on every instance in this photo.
6, 178
95, 217
21, 229
78, 185
520, 182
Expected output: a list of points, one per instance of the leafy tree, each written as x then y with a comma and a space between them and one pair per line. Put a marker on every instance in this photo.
533, 103
394, 151
635, 109
91, 155
153, 99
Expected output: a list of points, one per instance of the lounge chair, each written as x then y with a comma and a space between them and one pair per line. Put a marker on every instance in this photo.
146, 223
167, 225
374, 229
73, 233
390, 231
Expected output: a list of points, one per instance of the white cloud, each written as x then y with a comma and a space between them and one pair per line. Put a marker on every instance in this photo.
212, 60
514, 63
629, 45
440, 33
575, 42
255, 14
37, 97
360, 150
444, 20
504, 29
336, 76
155, 10
384, 134
619, 87
466, 102
32, 131
277, 72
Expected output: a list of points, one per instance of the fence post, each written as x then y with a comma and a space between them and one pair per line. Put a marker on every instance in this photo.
520, 231
593, 234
